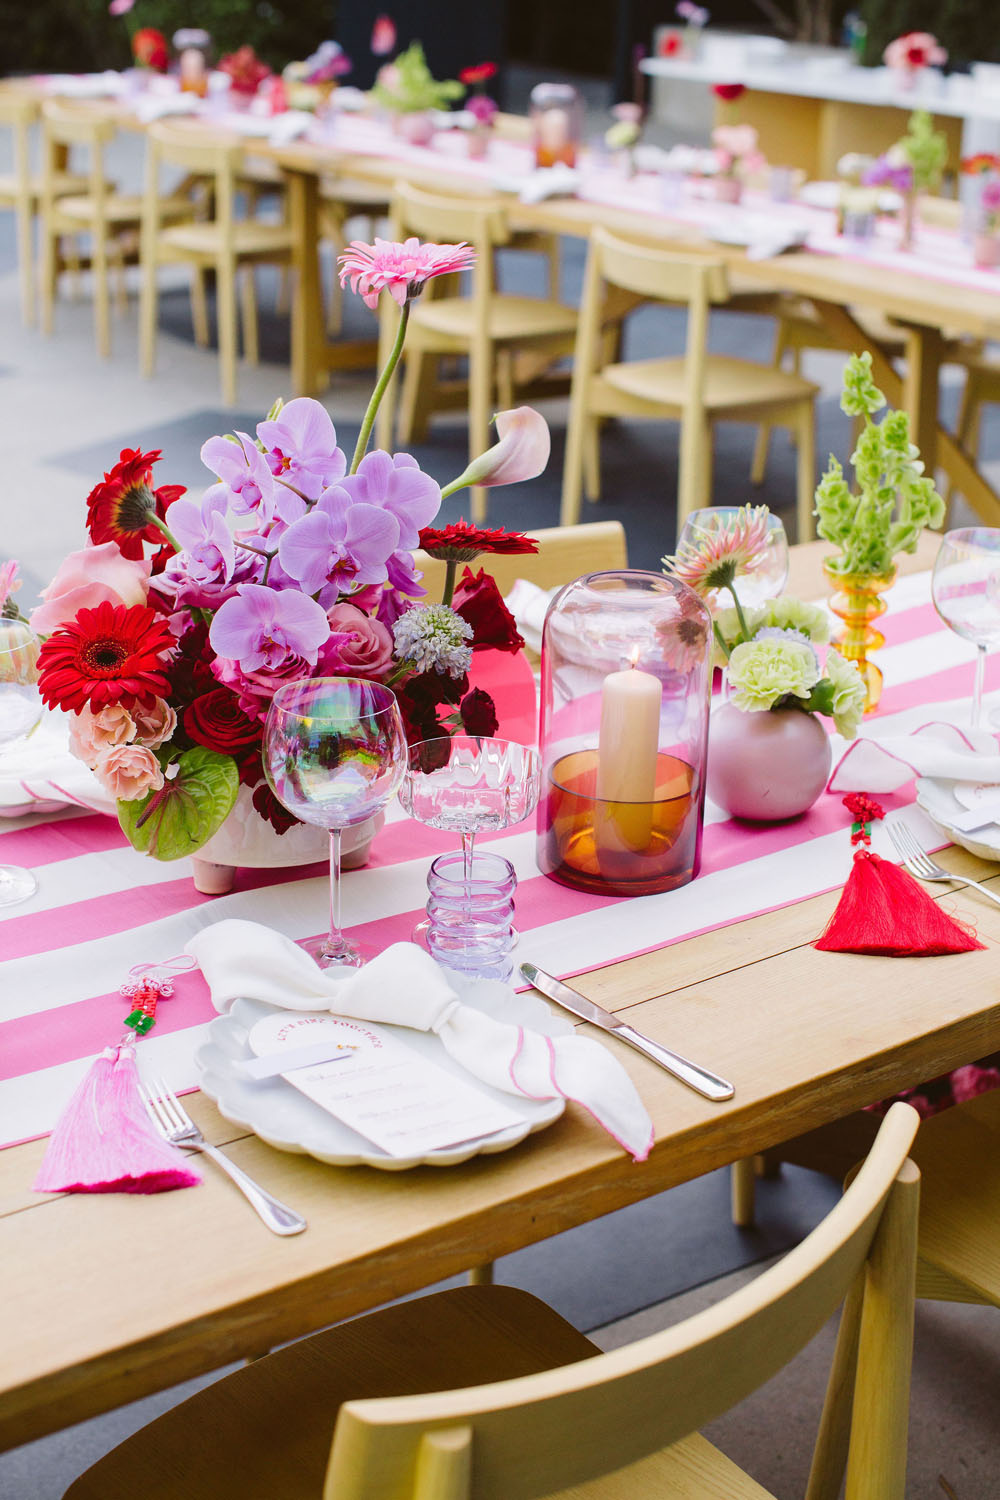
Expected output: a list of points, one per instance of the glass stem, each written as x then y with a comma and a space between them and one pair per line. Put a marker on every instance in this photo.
335, 943
468, 844
977, 687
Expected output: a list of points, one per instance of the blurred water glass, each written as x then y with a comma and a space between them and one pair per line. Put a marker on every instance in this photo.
766, 581
20, 713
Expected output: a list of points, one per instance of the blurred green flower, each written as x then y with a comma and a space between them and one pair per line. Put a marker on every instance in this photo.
762, 672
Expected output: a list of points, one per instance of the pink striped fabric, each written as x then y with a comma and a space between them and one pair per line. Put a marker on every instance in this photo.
111, 893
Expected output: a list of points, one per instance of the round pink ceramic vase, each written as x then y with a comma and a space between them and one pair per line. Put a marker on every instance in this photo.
766, 766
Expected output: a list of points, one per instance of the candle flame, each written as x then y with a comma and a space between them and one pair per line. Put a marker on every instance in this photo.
634, 654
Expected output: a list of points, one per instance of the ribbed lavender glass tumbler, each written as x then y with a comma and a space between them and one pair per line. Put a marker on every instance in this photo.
470, 914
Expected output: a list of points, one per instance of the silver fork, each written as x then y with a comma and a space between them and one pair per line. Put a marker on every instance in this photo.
919, 863
173, 1121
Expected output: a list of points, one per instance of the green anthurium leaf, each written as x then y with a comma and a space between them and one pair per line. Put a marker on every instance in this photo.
187, 809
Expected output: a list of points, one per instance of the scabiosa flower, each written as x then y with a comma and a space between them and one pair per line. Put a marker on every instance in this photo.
111, 654
123, 508
402, 268
713, 561
433, 637
462, 542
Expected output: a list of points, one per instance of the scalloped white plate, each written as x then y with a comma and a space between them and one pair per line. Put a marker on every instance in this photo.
289, 1121
940, 804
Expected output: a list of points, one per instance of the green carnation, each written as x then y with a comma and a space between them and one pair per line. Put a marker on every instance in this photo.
794, 614
761, 672
849, 693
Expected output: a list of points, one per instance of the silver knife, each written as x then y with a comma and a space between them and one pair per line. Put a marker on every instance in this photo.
710, 1085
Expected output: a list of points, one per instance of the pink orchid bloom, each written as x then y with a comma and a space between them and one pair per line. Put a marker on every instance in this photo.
401, 268
88, 578
383, 36
521, 453
9, 582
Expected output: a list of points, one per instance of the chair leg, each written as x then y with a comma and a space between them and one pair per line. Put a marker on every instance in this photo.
411, 424
505, 379
225, 284
694, 481
49, 275
743, 1188
121, 290
805, 471
147, 312
102, 310
199, 307
967, 431
26, 263
592, 458
829, 1458
248, 314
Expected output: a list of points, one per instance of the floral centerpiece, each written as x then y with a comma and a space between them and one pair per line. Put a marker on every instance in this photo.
409, 91
911, 53
893, 503
625, 133
984, 169
912, 166
736, 158
166, 637
245, 71
480, 110
309, 83
769, 758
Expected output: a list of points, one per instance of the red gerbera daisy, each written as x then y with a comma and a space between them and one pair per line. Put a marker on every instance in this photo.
461, 542
124, 507
111, 654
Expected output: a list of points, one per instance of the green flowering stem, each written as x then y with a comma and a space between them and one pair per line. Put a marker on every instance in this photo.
380, 388
402, 670
154, 520
720, 639
451, 567
739, 612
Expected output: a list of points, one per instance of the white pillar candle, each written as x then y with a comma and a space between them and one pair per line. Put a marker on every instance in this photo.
629, 736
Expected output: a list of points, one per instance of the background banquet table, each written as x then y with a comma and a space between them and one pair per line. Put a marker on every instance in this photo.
111, 1297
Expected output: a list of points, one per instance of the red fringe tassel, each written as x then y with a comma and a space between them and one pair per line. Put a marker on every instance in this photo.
884, 910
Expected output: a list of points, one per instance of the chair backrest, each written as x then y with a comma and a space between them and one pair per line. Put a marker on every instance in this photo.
531, 1437
176, 143
19, 109
449, 220
648, 271
564, 553
84, 124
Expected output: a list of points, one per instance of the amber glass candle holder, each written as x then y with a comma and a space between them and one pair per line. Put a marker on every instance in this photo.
557, 123
626, 676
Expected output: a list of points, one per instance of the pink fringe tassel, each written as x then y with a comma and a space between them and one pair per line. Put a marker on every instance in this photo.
105, 1142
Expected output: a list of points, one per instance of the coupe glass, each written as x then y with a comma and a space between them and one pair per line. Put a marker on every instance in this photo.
467, 783
334, 752
20, 713
965, 587
765, 582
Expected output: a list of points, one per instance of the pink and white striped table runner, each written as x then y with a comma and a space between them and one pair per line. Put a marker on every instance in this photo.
101, 907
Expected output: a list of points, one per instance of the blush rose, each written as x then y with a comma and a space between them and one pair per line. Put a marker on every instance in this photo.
358, 646
87, 578
128, 772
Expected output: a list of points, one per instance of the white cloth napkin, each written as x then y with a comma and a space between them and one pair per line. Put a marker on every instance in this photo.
40, 773
883, 762
559, 181
405, 987
529, 605
150, 107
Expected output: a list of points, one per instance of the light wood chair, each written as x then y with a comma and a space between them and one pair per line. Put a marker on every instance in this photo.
564, 553
958, 1153
21, 188
490, 327
223, 244
108, 218
341, 199
696, 389
485, 1393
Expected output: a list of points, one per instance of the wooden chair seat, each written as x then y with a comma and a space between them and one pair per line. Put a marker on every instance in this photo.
117, 208
249, 237
63, 183
509, 318
732, 388
361, 197
486, 1393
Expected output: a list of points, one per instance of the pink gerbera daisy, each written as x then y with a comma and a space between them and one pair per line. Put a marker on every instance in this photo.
719, 556
402, 269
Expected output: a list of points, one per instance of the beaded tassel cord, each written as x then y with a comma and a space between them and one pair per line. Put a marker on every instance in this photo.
882, 909
104, 1140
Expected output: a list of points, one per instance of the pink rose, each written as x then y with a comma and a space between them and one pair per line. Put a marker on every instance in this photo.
358, 646
88, 578
154, 725
93, 735
128, 772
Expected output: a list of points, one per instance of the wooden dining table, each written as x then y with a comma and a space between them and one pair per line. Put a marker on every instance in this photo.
927, 311
110, 1297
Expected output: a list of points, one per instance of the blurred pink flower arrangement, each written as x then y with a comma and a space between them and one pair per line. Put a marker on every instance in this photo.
913, 52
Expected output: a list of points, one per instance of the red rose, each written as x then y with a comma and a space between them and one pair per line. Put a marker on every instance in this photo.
275, 813
149, 49
216, 721
479, 716
729, 91
478, 600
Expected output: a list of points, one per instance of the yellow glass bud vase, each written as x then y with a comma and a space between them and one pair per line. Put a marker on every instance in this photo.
858, 603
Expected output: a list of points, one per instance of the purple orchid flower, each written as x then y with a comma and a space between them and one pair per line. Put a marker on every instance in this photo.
244, 471
339, 545
300, 447
209, 552
397, 484
261, 627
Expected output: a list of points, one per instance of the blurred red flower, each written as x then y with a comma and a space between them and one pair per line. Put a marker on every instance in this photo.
150, 50
729, 91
